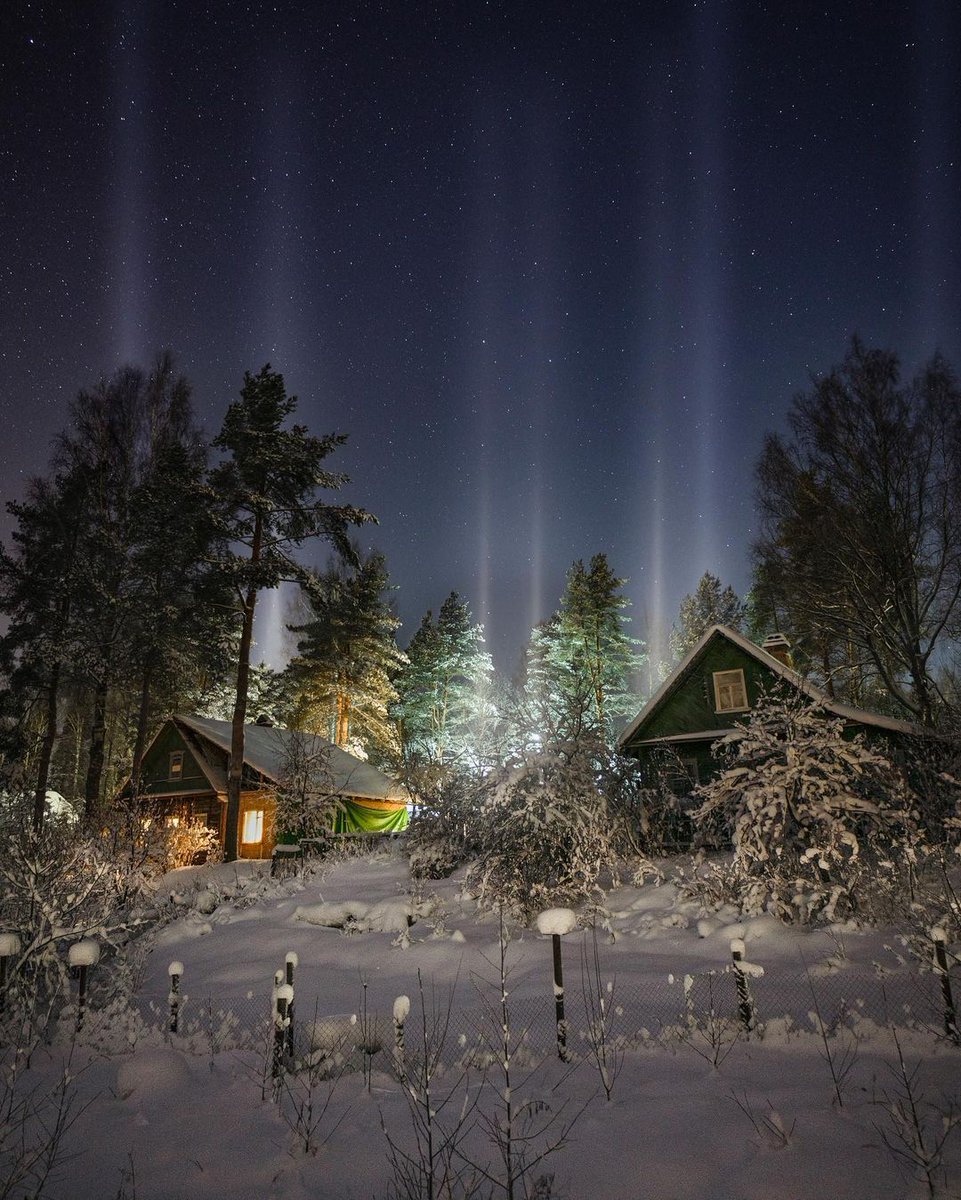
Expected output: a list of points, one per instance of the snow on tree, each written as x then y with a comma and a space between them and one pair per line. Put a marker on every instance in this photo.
709, 604
582, 655
445, 688
553, 821
818, 822
307, 801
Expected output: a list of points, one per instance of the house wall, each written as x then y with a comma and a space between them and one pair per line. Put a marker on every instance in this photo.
155, 772
690, 709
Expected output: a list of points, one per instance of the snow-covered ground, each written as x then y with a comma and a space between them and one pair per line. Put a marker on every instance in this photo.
695, 1114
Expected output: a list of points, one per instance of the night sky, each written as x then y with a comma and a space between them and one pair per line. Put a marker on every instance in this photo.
554, 268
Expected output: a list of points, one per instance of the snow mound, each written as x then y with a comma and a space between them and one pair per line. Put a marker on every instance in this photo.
152, 1074
331, 914
386, 916
556, 920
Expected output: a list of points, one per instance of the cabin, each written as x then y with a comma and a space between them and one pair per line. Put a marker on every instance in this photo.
184, 778
716, 686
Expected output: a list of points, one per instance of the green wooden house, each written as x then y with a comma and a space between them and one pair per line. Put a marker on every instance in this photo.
716, 686
184, 777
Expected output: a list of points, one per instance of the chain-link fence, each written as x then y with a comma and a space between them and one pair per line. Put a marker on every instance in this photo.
464, 1024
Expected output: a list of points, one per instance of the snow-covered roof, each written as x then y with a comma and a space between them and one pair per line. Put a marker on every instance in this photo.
846, 712
267, 751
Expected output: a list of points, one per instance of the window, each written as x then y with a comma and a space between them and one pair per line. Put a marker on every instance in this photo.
253, 826
730, 694
172, 821
176, 765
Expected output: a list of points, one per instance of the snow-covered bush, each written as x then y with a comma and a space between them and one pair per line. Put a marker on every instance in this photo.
819, 823
55, 889
445, 830
553, 821
307, 800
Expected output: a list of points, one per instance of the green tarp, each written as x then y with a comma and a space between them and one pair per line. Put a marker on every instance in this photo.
353, 816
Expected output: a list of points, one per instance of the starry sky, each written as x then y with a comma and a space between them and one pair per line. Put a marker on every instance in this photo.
555, 268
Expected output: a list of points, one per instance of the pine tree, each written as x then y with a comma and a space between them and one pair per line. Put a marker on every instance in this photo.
709, 604
268, 485
347, 657
37, 594
444, 690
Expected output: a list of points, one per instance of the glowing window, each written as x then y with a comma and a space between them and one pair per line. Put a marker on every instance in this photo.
730, 694
176, 765
253, 826
172, 822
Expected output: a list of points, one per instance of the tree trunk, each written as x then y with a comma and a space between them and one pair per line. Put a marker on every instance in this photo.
235, 766
46, 751
343, 720
98, 737
140, 741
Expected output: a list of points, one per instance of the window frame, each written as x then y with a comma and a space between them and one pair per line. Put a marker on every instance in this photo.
175, 764
740, 682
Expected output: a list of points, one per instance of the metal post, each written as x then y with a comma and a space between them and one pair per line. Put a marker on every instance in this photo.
939, 937
561, 1023
745, 1006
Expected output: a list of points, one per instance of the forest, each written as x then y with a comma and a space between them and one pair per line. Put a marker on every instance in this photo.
131, 582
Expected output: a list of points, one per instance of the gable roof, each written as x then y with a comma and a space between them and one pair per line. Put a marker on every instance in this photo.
845, 712
267, 751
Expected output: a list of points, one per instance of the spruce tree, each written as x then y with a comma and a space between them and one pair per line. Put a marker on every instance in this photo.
347, 657
268, 486
709, 604
445, 688
594, 657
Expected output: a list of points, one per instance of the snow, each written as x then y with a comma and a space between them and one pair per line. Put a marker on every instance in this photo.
9, 945
155, 1096
401, 1009
556, 920
175, 968
85, 953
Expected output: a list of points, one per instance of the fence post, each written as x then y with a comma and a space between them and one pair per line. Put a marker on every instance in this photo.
939, 937
81, 957
745, 1006
559, 1019
9, 948
291, 963
401, 1011
175, 971
283, 994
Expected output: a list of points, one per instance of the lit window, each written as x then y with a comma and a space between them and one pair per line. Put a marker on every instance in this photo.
253, 826
176, 765
172, 822
730, 694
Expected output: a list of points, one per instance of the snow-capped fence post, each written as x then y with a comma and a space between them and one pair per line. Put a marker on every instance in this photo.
556, 922
9, 948
283, 994
401, 1012
559, 1017
291, 962
745, 1005
81, 957
175, 971
940, 938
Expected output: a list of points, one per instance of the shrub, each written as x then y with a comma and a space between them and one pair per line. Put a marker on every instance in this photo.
818, 822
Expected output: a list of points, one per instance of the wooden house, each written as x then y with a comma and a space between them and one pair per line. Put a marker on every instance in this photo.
716, 686
184, 776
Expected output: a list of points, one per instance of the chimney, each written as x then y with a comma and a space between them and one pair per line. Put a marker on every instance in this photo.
777, 645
